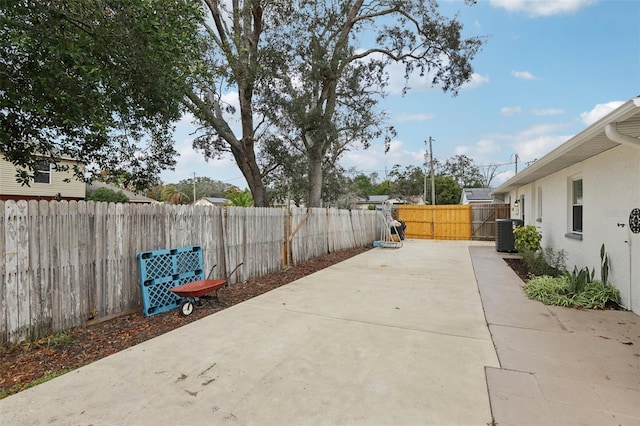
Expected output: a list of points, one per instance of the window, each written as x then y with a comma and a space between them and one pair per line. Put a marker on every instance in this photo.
539, 218
576, 202
42, 172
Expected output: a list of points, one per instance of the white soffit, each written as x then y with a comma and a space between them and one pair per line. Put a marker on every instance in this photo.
586, 144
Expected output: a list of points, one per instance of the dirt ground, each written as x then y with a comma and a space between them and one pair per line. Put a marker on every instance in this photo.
518, 267
22, 365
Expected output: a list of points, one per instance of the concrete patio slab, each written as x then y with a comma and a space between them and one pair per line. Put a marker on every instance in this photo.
560, 366
392, 336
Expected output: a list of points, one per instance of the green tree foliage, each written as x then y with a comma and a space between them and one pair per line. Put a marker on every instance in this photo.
406, 183
99, 81
369, 185
107, 195
205, 187
410, 183
307, 85
464, 171
447, 190
329, 81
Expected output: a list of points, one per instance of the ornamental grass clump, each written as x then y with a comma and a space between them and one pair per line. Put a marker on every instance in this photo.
577, 289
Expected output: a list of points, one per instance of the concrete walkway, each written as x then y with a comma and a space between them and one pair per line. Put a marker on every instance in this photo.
560, 366
390, 337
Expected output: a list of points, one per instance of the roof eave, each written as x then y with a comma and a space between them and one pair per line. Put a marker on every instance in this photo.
531, 173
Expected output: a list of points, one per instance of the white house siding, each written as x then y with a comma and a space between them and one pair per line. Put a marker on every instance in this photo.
611, 189
73, 188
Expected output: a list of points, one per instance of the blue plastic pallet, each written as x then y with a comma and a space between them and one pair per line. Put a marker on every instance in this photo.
161, 270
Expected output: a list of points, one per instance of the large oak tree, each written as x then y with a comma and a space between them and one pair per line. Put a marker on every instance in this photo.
99, 81
307, 81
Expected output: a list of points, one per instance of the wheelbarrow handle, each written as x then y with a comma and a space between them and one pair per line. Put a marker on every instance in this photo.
211, 271
234, 270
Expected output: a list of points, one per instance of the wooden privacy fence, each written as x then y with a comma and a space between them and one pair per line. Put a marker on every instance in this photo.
64, 263
453, 222
483, 219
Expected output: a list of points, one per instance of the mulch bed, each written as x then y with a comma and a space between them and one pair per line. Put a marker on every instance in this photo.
25, 363
518, 267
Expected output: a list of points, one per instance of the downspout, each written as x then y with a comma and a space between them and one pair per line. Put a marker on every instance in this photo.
611, 130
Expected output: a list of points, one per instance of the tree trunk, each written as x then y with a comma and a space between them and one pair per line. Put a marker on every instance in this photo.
315, 180
246, 161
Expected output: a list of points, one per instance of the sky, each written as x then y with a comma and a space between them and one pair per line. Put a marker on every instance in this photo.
548, 69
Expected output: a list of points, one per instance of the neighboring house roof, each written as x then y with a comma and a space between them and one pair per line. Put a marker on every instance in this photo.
373, 199
476, 195
377, 198
621, 126
133, 197
217, 201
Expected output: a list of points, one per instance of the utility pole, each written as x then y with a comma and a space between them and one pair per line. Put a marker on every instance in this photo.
194, 187
516, 163
425, 173
433, 182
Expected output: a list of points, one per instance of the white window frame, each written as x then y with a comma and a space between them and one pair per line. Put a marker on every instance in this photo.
539, 202
42, 175
577, 200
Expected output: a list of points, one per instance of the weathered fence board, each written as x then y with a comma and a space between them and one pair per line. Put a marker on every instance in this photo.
63, 263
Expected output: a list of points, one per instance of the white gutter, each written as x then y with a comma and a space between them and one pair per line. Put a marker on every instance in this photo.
611, 130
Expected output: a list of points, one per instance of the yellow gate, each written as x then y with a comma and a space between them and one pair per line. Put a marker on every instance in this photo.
448, 222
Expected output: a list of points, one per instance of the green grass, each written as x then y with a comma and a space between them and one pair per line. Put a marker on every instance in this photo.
18, 387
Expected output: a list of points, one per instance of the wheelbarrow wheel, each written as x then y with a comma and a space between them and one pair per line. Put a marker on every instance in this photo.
186, 308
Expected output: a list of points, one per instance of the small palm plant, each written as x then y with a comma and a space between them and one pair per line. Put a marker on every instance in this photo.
240, 199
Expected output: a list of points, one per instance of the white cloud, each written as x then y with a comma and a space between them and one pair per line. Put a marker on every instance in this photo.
536, 8
482, 151
476, 81
185, 120
530, 144
374, 159
404, 118
599, 111
510, 110
531, 148
502, 177
523, 75
189, 161
536, 141
548, 111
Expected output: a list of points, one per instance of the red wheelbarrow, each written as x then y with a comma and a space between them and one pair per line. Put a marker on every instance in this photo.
197, 291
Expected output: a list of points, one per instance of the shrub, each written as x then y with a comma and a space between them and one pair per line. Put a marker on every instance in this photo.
527, 238
548, 262
107, 195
